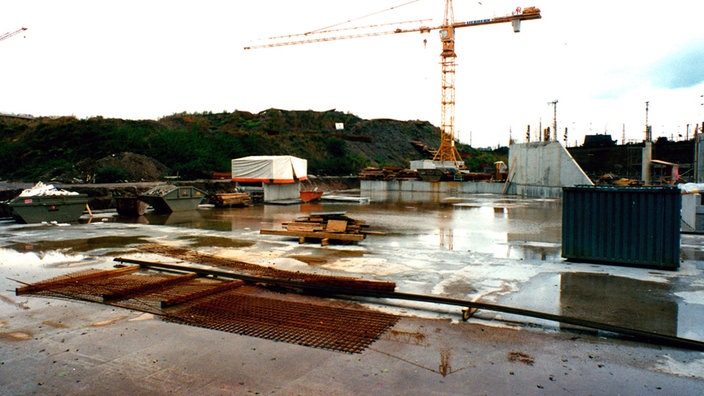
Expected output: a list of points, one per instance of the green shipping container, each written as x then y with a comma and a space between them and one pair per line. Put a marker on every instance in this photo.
636, 226
48, 208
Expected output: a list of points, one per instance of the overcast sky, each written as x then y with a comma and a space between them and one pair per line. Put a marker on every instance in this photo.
144, 59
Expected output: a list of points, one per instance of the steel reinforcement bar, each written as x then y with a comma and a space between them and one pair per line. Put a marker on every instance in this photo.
641, 335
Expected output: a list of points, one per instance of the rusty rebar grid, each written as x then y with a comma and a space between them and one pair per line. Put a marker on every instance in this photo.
312, 325
224, 305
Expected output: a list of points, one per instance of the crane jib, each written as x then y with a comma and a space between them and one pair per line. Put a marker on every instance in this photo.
447, 151
477, 22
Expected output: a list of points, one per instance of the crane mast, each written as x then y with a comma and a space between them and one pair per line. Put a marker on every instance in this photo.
447, 151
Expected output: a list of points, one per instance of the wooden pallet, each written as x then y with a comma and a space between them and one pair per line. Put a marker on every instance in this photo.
323, 226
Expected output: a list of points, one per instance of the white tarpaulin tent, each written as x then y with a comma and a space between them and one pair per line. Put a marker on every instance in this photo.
277, 169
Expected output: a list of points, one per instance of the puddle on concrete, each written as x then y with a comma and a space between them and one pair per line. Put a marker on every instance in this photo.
617, 300
459, 288
313, 256
215, 241
530, 250
620, 301
79, 245
692, 247
467, 246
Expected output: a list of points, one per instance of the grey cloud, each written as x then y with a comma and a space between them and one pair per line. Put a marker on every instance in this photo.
681, 69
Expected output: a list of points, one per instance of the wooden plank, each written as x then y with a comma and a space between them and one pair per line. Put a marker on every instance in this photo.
316, 235
373, 232
303, 226
336, 226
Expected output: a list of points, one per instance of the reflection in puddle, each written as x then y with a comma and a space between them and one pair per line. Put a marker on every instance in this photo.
187, 218
216, 241
619, 301
534, 251
320, 256
79, 245
506, 249
643, 304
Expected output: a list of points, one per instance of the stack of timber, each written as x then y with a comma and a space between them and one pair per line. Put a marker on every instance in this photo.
388, 173
227, 200
324, 226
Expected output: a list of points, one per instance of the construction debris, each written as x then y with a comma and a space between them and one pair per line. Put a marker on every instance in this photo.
228, 200
324, 226
242, 267
388, 173
230, 302
224, 304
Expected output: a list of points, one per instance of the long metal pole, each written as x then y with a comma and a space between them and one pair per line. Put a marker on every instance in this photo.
347, 291
647, 129
554, 119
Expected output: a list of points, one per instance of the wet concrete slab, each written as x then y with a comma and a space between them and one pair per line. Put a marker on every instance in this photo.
476, 247
118, 351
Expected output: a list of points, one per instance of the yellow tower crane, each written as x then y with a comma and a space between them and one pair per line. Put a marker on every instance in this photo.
447, 152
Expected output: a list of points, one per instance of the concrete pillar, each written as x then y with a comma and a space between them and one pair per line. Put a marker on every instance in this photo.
281, 192
699, 158
645, 162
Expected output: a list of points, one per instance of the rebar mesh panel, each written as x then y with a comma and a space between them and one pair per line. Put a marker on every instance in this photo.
313, 325
237, 311
94, 289
152, 301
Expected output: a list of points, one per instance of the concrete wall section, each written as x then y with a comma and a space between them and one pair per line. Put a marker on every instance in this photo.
281, 192
535, 191
537, 170
541, 169
699, 158
447, 187
692, 212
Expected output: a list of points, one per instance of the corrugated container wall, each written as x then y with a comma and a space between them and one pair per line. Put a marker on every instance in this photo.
638, 226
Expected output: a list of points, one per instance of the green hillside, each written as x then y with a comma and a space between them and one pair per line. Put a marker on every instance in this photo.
194, 146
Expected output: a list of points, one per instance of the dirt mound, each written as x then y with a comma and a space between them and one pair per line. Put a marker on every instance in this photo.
122, 167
